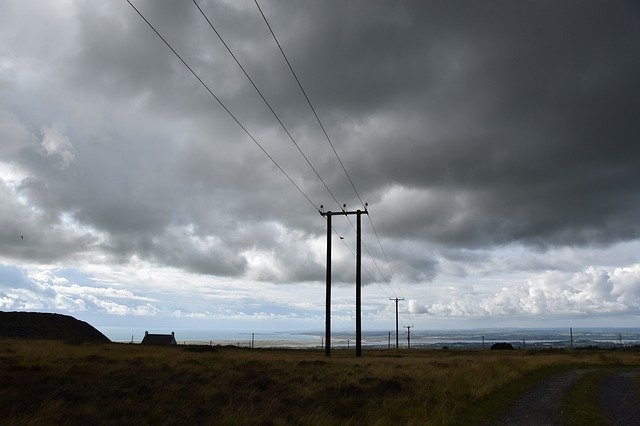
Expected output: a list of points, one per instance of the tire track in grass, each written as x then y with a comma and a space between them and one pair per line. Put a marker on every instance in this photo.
543, 404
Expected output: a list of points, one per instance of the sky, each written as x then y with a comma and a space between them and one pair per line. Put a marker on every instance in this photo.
496, 144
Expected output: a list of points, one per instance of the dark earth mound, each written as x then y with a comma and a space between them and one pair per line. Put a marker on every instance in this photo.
48, 326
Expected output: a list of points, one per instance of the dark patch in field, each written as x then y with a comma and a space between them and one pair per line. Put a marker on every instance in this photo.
199, 348
315, 363
97, 359
136, 362
24, 368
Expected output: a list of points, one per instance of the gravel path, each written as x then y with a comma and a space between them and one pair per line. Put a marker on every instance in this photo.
542, 405
619, 399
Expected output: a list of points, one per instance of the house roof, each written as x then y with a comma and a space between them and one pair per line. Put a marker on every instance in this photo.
158, 339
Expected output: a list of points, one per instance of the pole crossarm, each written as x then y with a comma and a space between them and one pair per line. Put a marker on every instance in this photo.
343, 213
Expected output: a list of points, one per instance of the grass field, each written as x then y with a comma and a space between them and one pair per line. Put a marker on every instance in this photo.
53, 382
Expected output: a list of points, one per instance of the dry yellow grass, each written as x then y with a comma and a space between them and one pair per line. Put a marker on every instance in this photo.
46, 381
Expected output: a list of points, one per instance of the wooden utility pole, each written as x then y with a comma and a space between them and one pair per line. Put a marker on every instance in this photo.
328, 215
396, 299
327, 324
408, 336
571, 337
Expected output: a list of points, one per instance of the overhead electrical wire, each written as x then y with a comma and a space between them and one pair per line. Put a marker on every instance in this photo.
324, 131
224, 106
309, 102
275, 115
246, 131
284, 127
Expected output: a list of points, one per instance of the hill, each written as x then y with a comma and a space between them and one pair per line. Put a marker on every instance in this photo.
48, 326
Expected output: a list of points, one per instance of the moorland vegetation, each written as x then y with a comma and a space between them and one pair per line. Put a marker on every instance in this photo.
56, 382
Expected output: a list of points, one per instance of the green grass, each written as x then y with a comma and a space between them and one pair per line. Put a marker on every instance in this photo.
581, 402
50, 382
489, 409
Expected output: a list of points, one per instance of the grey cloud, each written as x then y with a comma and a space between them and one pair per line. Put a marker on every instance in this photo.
465, 126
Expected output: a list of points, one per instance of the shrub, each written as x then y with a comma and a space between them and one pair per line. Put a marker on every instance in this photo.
501, 346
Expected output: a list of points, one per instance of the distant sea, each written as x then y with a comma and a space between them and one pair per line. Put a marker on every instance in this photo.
463, 339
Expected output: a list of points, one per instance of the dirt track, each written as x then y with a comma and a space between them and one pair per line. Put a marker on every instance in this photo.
618, 399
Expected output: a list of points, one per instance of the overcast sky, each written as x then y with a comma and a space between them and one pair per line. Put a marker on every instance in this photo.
496, 143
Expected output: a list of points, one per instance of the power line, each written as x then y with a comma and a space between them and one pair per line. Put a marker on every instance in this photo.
224, 107
393, 276
373, 279
275, 115
309, 102
288, 133
246, 131
324, 131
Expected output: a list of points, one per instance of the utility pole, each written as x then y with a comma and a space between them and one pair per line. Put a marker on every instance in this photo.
571, 337
408, 336
358, 284
253, 335
396, 299
327, 324
482, 342
389, 346
328, 215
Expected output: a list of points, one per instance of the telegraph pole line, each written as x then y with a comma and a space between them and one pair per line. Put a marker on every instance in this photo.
396, 299
328, 215
408, 327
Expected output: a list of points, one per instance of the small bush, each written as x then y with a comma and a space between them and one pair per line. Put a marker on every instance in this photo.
501, 346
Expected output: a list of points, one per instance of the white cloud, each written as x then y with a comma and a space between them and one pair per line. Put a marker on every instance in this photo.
114, 308
57, 144
591, 291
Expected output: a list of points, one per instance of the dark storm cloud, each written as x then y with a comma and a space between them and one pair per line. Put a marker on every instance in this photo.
464, 124
519, 116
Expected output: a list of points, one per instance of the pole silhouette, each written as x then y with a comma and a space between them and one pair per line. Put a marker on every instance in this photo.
327, 330
408, 336
396, 299
328, 215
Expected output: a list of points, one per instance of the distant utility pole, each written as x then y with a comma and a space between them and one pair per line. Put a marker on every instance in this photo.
571, 337
328, 215
408, 336
396, 299
482, 342
389, 347
252, 339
